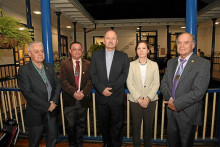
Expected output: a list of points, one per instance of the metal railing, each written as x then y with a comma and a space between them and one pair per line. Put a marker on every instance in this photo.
12, 106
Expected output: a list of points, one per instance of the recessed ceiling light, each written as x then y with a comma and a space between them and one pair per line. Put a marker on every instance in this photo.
21, 28
37, 12
68, 27
138, 28
183, 27
217, 22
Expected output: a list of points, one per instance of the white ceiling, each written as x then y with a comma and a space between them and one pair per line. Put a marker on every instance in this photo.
72, 11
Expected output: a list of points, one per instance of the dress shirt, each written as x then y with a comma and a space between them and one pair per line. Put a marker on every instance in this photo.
80, 66
109, 58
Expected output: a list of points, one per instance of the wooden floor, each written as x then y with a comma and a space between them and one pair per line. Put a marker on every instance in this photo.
23, 142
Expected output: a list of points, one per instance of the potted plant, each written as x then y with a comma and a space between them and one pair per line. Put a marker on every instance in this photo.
10, 34
95, 47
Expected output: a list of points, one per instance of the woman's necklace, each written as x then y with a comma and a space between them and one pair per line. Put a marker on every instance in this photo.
143, 63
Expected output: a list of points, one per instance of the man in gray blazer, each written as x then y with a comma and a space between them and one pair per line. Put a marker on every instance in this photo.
184, 84
109, 71
41, 89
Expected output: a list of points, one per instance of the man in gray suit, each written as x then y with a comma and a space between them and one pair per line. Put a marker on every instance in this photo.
41, 89
184, 84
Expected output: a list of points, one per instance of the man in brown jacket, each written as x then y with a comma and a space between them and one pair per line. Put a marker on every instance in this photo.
76, 85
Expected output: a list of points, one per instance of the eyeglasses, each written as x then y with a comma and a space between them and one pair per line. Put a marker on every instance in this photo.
76, 49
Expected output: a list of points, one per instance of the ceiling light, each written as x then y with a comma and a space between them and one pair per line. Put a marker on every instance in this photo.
138, 28
37, 12
21, 28
68, 27
183, 27
217, 22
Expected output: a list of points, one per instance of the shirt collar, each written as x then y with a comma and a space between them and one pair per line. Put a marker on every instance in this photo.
187, 58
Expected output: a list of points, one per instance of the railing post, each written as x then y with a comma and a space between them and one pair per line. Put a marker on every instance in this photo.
218, 121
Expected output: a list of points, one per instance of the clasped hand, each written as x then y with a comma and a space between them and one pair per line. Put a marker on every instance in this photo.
143, 102
52, 106
107, 91
170, 104
78, 95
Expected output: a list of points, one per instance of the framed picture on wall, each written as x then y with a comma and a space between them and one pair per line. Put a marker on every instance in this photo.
98, 39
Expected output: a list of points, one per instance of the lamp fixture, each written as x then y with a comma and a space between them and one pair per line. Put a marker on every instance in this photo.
37, 12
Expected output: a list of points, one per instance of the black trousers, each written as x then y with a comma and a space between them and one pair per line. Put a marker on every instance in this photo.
111, 119
76, 124
179, 133
147, 114
36, 132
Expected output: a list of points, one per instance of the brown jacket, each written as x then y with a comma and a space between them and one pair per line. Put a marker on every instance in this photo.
69, 86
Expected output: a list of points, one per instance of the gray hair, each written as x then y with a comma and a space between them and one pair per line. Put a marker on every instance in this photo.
193, 37
34, 42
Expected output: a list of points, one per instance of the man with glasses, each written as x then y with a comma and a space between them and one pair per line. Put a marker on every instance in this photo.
76, 85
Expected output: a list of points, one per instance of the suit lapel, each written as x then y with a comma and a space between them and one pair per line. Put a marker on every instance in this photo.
173, 70
137, 69
114, 64
188, 67
47, 72
103, 58
148, 69
35, 72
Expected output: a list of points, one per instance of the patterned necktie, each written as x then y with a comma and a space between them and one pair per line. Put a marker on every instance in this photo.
177, 76
77, 73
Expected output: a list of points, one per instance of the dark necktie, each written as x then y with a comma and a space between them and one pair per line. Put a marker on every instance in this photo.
77, 73
177, 77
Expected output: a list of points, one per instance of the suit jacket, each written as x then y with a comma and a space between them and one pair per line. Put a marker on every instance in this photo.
69, 86
117, 77
34, 91
190, 89
151, 84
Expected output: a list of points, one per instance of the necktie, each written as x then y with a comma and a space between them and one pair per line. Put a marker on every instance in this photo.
77, 73
177, 77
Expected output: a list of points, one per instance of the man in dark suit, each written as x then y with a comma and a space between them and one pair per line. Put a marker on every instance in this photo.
77, 86
184, 84
108, 71
41, 88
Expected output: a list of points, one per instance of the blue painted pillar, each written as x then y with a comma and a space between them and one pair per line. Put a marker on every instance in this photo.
58, 33
191, 19
46, 30
28, 13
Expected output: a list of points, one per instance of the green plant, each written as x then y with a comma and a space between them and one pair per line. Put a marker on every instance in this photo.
57, 64
95, 47
10, 32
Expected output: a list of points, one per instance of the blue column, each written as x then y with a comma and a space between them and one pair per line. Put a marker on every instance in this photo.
58, 33
191, 18
28, 13
46, 30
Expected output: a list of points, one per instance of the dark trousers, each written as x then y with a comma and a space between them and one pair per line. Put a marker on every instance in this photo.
111, 116
76, 124
147, 114
36, 132
179, 133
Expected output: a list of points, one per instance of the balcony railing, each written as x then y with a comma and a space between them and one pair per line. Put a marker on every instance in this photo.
12, 105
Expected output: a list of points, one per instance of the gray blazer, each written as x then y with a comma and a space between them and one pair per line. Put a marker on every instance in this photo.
35, 92
190, 90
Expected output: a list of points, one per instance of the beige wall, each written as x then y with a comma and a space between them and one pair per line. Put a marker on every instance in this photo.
126, 37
